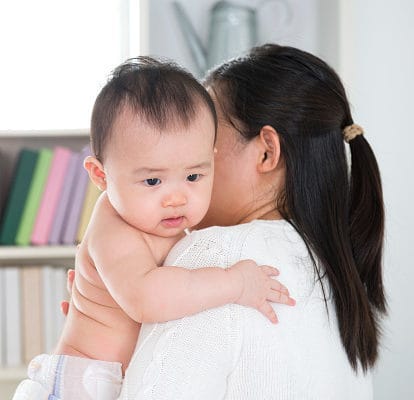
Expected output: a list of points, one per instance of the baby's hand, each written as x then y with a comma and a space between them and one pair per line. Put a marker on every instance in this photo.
259, 289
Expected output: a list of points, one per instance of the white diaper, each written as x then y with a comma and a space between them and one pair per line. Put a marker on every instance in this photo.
58, 377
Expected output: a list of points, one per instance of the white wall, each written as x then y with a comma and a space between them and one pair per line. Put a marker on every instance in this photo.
371, 43
378, 61
166, 39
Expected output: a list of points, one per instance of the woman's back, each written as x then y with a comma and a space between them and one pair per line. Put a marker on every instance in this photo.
233, 352
302, 357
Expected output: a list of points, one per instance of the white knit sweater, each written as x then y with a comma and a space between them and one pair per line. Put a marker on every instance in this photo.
233, 352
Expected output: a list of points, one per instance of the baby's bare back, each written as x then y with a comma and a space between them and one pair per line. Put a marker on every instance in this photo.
97, 327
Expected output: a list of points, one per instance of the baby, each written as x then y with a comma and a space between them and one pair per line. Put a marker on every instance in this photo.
153, 132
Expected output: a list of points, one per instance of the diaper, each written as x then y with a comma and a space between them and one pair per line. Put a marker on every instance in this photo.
58, 377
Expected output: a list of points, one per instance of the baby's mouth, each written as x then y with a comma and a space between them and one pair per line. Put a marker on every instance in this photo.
172, 222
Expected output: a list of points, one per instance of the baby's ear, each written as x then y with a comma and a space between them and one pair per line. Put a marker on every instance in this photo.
96, 172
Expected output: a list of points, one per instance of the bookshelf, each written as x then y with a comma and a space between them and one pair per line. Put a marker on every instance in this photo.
61, 256
11, 142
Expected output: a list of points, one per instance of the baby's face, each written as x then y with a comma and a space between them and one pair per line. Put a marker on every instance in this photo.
160, 182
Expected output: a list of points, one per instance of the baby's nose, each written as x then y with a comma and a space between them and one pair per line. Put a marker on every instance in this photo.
175, 200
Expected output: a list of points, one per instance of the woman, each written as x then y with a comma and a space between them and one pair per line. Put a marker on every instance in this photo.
283, 195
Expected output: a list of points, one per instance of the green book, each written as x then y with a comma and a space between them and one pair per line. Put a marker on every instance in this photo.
34, 197
16, 199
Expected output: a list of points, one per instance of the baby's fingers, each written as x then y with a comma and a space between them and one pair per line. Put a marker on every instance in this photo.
267, 310
70, 277
270, 271
64, 307
280, 297
284, 293
276, 285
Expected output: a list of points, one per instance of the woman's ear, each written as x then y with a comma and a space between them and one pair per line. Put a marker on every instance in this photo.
96, 172
269, 149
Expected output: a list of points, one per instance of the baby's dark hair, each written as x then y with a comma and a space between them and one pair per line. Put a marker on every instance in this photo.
159, 91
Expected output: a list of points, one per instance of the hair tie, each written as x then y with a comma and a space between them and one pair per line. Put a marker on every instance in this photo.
351, 132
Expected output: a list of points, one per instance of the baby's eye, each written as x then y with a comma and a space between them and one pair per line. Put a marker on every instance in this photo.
152, 182
193, 177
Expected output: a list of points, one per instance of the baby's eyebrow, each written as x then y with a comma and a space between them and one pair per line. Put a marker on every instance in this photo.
206, 164
144, 170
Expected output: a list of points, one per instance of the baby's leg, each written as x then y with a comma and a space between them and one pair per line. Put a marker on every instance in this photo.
72, 378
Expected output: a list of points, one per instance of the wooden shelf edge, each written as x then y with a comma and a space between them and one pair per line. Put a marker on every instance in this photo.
37, 255
44, 133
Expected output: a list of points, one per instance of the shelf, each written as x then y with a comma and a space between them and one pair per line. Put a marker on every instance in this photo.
13, 374
49, 133
37, 255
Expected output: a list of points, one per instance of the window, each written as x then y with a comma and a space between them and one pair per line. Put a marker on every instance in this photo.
57, 54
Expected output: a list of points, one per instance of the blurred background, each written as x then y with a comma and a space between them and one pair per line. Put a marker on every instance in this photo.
56, 55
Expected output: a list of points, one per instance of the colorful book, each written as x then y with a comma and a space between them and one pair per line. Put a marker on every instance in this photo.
19, 189
64, 201
76, 202
34, 196
12, 298
49, 202
92, 194
31, 312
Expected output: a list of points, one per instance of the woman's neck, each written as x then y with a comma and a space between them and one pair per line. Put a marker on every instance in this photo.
267, 211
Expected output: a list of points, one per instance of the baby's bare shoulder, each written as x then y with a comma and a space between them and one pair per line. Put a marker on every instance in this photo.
160, 246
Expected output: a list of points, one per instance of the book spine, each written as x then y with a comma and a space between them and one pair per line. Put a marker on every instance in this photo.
48, 306
92, 194
54, 292
33, 198
17, 196
64, 202
73, 216
13, 317
2, 320
50, 197
31, 312
61, 294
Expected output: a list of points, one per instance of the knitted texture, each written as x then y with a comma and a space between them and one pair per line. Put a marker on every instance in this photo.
233, 352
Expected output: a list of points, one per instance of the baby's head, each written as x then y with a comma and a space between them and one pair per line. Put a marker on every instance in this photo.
153, 131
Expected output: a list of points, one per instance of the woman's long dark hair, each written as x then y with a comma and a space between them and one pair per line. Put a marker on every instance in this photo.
339, 213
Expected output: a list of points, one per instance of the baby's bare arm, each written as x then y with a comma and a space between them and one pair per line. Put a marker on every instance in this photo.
147, 293
172, 292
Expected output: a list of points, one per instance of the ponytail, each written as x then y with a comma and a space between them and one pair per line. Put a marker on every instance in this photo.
367, 220
342, 223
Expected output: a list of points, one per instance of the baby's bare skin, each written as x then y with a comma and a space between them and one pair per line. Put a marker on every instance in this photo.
97, 327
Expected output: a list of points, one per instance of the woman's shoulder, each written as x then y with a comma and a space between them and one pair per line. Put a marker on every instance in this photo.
227, 243
257, 226
214, 243
237, 235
